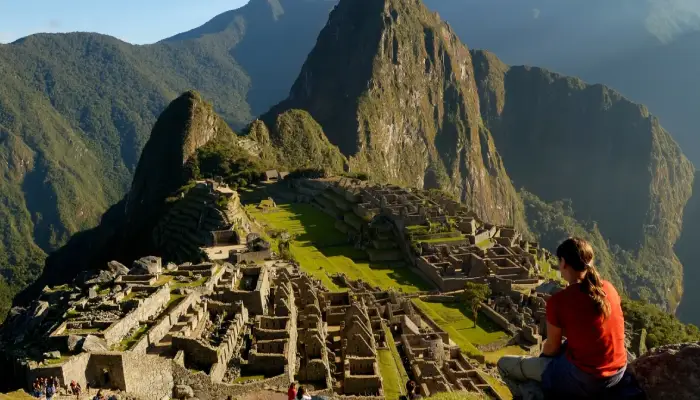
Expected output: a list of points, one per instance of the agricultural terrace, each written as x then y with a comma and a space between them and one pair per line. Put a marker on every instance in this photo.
321, 249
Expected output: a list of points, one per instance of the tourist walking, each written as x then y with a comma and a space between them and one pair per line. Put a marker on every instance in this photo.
292, 391
594, 358
50, 389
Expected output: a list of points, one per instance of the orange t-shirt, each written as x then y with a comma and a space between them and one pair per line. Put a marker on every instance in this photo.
595, 345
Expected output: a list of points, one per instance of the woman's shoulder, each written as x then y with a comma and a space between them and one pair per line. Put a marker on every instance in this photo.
610, 289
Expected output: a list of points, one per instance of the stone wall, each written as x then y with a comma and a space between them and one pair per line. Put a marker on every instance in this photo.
199, 353
251, 256
148, 377
106, 370
145, 376
496, 317
73, 369
222, 238
215, 278
429, 271
148, 308
360, 385
255, 302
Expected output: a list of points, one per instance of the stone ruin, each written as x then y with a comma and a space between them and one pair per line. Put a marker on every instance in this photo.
441, 367
434, 233
208, 215
248, 319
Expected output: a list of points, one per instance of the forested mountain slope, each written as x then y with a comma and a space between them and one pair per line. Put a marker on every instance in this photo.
76, 110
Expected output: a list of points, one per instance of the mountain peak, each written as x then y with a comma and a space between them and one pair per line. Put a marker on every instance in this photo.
187, 124
393, 88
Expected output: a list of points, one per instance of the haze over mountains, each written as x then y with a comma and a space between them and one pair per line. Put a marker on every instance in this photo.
76, 109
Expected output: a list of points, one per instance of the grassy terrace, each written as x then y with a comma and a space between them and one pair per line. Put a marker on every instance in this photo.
321, 249
129, 341
392, 369
198, 282
442, 240
393, 383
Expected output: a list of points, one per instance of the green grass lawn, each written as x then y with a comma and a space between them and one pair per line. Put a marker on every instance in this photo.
320, 249
391, 368
501, 388
391, 378
163, 279
457, 317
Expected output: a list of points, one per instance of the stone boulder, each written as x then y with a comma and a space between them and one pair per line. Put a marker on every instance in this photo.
669, 372
101, 277
52, 355
35, 317
75, 343
93, 344
183, 392
117, 268
147, 266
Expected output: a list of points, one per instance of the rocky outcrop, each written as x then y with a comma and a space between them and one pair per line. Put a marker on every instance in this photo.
563, 139
394, 89
686, 248
669, 372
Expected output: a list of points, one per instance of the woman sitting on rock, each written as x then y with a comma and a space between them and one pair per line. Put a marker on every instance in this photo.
588, 312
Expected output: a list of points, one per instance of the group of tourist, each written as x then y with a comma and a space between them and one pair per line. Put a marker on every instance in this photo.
45, 388
297, 394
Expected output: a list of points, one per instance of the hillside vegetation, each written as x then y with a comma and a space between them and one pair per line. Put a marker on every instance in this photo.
628, 175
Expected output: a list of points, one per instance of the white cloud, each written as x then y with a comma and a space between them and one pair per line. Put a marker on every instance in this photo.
535, 13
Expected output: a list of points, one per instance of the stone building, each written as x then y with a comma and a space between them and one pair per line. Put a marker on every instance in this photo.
439, 367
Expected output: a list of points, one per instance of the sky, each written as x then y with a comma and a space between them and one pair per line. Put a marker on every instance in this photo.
134, 21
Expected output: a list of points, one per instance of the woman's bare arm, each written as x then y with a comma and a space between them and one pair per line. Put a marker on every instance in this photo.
552, 345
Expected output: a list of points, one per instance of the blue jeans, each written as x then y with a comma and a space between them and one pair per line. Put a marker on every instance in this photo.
530, 378
562, 378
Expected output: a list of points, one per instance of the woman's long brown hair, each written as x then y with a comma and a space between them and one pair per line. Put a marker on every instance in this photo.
578, 254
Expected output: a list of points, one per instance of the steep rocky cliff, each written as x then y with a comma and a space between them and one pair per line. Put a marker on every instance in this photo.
563, 139
393, 87
686, 248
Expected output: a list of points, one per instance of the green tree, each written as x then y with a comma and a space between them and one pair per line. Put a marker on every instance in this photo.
474, 295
